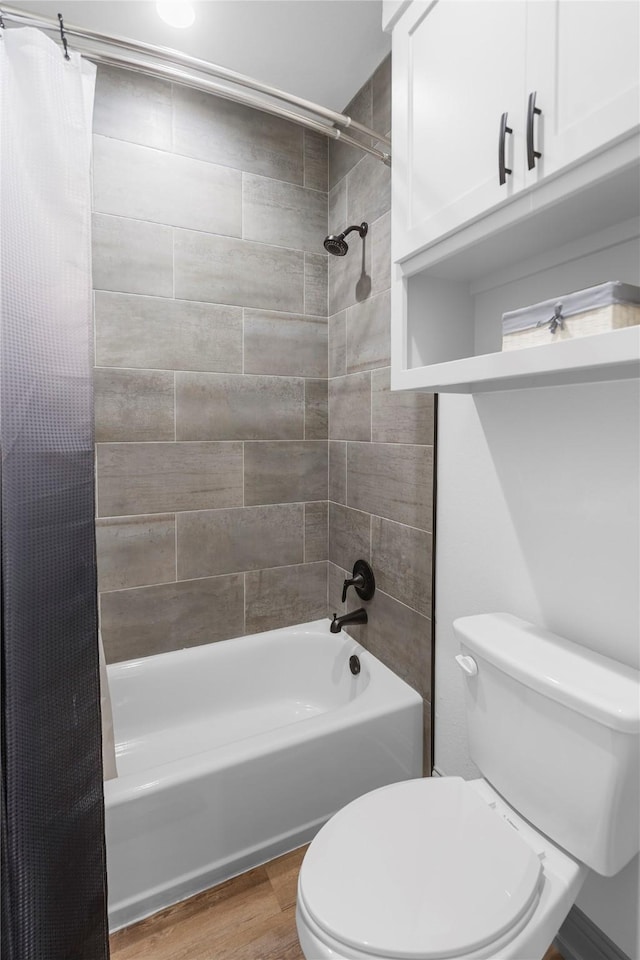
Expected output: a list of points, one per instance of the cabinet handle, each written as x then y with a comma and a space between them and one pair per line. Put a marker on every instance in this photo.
532, 155
504, 130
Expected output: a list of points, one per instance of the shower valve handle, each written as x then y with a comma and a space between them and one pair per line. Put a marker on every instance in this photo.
357, 581
362, 579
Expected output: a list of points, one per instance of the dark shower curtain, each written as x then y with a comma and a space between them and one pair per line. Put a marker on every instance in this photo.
53, 856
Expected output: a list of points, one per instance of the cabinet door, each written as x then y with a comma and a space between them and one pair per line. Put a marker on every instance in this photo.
457, 66
583, 60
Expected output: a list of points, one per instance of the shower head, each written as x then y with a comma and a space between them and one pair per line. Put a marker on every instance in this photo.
337, 245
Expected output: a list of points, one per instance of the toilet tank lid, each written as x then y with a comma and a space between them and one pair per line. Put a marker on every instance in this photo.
591, 684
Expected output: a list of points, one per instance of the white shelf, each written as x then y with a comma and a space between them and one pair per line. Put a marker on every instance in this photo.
605, 356
447, 300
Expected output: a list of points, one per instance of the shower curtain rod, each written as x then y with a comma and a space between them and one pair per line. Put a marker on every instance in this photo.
176, 75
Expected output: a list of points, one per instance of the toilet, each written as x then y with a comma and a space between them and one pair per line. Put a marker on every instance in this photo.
446, 868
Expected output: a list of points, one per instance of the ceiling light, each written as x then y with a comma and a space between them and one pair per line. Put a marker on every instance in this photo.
177, 14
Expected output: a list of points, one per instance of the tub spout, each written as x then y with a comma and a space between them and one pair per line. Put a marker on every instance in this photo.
357, 616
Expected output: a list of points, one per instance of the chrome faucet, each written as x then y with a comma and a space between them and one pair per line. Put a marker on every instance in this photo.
356, 616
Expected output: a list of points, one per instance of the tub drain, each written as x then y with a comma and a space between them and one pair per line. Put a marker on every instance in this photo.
354, 665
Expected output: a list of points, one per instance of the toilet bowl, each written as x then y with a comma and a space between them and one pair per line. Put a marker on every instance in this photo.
447, 869
430, 869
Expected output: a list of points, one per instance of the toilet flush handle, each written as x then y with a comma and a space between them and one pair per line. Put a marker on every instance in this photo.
467, 664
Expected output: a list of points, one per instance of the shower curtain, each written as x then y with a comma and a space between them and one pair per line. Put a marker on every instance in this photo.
53, 857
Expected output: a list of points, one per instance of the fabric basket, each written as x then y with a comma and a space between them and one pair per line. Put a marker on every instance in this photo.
609, 306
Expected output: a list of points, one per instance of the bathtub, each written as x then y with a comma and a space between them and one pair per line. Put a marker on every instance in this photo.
235, 752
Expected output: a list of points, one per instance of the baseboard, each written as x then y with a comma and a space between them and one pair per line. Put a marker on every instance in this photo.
580, 939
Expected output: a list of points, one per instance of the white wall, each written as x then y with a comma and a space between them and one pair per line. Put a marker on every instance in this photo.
538, 515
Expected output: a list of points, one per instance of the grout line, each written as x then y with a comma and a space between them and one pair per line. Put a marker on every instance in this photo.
251, 506
172, 151
346, 472
287, 183
216, 576
262, 176
304, 284
244, 483
242, 176
175, 531
211, 373
244, 602
378, 516
242, 373
371, 440
208, 233
402, 603
326, 546
345, 332
175, 406
142, 443
328, 578
173, 263
304, 411
304, 533
211, 303
304, 158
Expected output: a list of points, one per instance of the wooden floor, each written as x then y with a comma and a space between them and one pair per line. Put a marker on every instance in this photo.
251, 917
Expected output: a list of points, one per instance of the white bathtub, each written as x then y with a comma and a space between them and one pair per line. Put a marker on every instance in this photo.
236, 752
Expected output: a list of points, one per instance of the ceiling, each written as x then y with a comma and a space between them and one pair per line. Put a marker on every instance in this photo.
323, 50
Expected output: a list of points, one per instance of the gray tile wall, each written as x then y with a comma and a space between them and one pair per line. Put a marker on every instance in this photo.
211, 367
380, 443
249, 447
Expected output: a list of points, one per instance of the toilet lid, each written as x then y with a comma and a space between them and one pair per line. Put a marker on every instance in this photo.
419, 869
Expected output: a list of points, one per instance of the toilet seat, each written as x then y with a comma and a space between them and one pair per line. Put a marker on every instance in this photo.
419, 870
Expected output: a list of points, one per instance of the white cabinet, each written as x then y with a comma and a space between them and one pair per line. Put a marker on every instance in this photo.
459, 65
465, 246
456, 70
583, 63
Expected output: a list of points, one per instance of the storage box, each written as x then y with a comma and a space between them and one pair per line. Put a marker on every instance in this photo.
609, 306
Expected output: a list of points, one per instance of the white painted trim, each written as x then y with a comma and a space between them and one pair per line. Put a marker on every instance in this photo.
392, 10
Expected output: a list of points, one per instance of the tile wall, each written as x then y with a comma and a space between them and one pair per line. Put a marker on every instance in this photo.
380, 443
246, 433
211, 367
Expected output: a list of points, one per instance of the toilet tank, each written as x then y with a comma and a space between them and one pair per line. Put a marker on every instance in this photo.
555, 729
